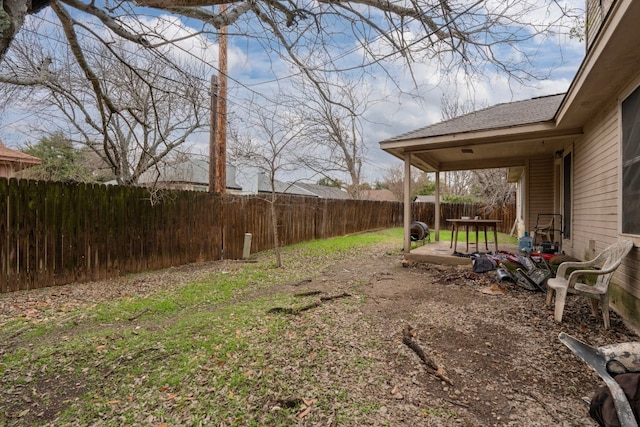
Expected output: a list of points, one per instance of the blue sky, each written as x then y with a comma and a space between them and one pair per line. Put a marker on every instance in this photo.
407, 100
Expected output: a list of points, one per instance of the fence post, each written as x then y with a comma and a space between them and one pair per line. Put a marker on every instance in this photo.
246, 250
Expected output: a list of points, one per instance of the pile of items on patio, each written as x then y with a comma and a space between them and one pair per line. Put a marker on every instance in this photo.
537, 259
529, 268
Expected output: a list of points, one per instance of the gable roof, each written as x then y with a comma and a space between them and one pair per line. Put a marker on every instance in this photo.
323, 191
264, 186
192, 170
505, 115
18, 160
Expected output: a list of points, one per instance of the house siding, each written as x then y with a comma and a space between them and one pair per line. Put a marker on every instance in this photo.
595, 189
596, 12
540, 190
596, 207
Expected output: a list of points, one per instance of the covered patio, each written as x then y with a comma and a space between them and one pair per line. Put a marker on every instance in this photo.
521, 136
440, 252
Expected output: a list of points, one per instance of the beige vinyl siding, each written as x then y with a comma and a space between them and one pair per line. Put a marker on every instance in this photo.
596, 198
596, 186
540, 189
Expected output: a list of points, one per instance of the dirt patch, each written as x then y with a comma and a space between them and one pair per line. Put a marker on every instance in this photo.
497, 357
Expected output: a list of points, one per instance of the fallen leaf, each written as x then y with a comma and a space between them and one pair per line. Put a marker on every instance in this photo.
172, 396
309, 402
304, 413
394, 390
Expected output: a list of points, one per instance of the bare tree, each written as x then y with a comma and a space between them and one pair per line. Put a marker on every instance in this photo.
129, 108
494, 189
268, 146
334, 141
455, 33
452, 34
488, 185
393, 179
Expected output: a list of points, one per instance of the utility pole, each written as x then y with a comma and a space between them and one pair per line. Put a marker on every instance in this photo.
221, 119
213, 115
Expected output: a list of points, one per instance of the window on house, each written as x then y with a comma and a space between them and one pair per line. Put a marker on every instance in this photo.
631, 163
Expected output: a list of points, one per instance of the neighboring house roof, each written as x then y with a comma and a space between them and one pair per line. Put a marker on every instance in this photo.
264, 186
193, 171
425, 199
323, 191
380, 195
504, 115
17, 159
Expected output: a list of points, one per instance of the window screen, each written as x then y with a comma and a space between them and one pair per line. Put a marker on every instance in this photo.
631, 163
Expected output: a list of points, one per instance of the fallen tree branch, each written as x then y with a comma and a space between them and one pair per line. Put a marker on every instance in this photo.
132, 318
307, 294
432, 368
288, 310
330, 297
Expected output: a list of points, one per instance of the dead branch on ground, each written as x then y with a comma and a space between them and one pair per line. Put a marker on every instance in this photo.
307, 294
134, 317
432, 368
288, 310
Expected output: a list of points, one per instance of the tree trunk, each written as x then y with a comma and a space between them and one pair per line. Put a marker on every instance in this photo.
274, 224
12, 13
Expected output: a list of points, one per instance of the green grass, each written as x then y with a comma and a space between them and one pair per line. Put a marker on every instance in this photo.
199, 351
445, 235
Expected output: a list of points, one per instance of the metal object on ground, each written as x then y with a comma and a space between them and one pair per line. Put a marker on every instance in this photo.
420, 231
599, 359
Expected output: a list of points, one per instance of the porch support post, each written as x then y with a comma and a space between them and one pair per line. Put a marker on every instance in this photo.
407, 202
436, 214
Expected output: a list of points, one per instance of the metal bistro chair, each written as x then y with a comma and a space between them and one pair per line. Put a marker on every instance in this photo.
602, 267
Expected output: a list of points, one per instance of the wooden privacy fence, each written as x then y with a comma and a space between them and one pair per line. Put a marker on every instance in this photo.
55, 233
425, 212
58, 233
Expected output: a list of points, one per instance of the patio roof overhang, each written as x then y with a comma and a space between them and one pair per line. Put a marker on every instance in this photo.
495, 148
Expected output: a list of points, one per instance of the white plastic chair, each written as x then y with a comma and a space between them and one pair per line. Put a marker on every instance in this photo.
542, 233
603, 266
